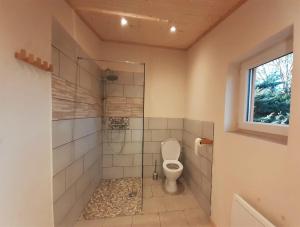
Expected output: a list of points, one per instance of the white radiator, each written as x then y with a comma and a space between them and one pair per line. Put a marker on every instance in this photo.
244, 215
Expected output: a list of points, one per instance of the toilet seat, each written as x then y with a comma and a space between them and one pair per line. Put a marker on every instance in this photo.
175, 162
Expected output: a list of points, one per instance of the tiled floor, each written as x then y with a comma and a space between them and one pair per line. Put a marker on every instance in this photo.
160, 210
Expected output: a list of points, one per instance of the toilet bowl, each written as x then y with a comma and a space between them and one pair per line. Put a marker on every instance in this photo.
172, 168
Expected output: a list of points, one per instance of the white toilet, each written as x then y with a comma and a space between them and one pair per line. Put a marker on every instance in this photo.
170, 150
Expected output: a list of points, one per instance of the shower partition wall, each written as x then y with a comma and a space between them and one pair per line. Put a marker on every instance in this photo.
122, 137
97, 134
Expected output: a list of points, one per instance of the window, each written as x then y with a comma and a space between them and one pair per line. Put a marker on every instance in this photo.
269, 91
266, 81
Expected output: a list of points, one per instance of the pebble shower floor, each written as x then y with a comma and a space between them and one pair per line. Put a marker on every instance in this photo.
115, 197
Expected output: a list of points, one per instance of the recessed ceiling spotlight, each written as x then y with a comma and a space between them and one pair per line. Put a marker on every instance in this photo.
173, 29
124, 22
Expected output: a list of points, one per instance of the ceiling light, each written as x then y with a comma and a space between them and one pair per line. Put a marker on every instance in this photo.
173, 29
124, 22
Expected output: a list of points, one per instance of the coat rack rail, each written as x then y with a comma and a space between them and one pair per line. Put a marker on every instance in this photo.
30, 59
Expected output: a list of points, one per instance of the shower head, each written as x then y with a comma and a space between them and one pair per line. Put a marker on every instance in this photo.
110, 75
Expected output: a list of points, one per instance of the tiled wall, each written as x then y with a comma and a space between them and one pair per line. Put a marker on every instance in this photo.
122, 150
76, 166
198, 167
157, 130
128, 163
76, 129
125, 96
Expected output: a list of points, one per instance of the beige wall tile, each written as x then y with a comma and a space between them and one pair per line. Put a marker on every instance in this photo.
158, 158
147, 135
193, 126
188, 139
63, 41
85, 79
148, 171
64, 204
85, 126
106, 135
205, 167
62, 157
148, 159
124, 78
59, 185
107, 161
206, 187
90, 158
55, 61
61, 132
111, 148
133, 148
84, 144
82, 184
73, 172
158, 123
137, 135
177, 134
146, 123
137, 160
128, 136
136, 123
133, 171
89, 66
73, 214
123, 160
139, 79
160, 135
115, 90
207, 152
152, 147
67, 68
133, 91
208, 130
118, 135
112, 172
175, 123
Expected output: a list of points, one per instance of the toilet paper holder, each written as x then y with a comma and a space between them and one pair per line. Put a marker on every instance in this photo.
206, 141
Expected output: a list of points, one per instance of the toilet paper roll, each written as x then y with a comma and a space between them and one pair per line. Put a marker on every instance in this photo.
197, 145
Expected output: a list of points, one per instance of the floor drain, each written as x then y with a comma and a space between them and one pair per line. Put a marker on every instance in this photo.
132, 194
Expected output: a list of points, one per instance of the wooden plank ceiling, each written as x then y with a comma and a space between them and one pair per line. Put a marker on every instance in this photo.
149, 21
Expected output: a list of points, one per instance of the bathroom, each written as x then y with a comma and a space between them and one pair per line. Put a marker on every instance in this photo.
128, 128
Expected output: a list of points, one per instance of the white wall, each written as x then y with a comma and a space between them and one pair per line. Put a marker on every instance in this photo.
25, 116
264, 173
25, 98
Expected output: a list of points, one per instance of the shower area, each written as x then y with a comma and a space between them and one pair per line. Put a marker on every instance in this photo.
120, 190
97, 134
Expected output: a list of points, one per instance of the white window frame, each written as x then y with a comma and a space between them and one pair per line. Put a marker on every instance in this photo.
282, 48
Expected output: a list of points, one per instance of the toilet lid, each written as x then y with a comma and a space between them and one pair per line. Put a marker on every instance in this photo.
170, 149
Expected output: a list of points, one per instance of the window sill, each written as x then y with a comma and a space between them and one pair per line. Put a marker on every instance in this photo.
263, 136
